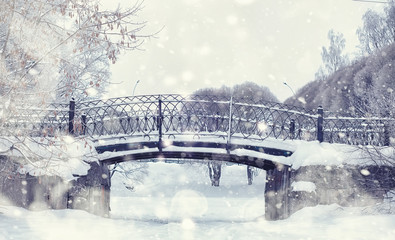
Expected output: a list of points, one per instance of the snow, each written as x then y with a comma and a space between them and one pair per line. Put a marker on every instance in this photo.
315, 153
329, 154
177, 202
323, 222
303, 186
67, 170
65, 156
178, 191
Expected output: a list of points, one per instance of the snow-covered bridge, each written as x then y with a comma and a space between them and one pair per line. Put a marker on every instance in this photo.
194, 127
199, 128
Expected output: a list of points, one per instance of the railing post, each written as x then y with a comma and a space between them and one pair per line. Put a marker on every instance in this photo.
83, 119
320, 124
160, 143
292, 129
230, 125
71, 116
217, 122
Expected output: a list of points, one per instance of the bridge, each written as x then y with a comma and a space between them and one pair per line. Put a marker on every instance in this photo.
199, 128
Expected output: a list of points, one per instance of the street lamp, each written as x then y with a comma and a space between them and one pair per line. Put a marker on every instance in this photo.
290, 88
135, 85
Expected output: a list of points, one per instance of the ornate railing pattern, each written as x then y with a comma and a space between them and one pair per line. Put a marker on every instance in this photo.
168, 116
34, 121
172, 115
358, 131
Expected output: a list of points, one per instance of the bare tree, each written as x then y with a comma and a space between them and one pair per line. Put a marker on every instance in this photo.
132, 172
55, 49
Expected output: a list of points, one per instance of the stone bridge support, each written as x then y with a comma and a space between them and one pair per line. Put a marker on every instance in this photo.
92, 192
277, 192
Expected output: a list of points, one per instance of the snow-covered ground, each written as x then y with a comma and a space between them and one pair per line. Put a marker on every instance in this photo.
177, 201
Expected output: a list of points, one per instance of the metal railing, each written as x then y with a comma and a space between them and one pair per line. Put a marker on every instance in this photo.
168, 116
172, 115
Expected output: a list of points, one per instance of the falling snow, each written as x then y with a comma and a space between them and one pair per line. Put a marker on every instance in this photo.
208, 44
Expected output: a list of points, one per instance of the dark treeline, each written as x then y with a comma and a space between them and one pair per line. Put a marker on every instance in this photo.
246, 91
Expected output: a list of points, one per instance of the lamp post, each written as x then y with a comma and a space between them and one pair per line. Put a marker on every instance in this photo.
290, 88
135, 85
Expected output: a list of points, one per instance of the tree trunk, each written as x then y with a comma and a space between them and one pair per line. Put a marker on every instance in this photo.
250, 175
214, 172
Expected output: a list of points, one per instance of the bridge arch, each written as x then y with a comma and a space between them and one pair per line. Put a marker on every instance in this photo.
260, 156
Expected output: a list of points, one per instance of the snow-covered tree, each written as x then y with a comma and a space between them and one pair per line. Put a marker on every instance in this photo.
333, 57
88, 75
378, 29
55, 50
62, 48
383, 90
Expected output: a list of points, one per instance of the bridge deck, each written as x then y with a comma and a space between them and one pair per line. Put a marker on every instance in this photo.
261, 154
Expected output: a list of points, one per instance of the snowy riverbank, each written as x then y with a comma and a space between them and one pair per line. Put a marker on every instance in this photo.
177, 202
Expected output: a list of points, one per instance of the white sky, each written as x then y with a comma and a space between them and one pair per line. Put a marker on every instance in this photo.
210, 43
